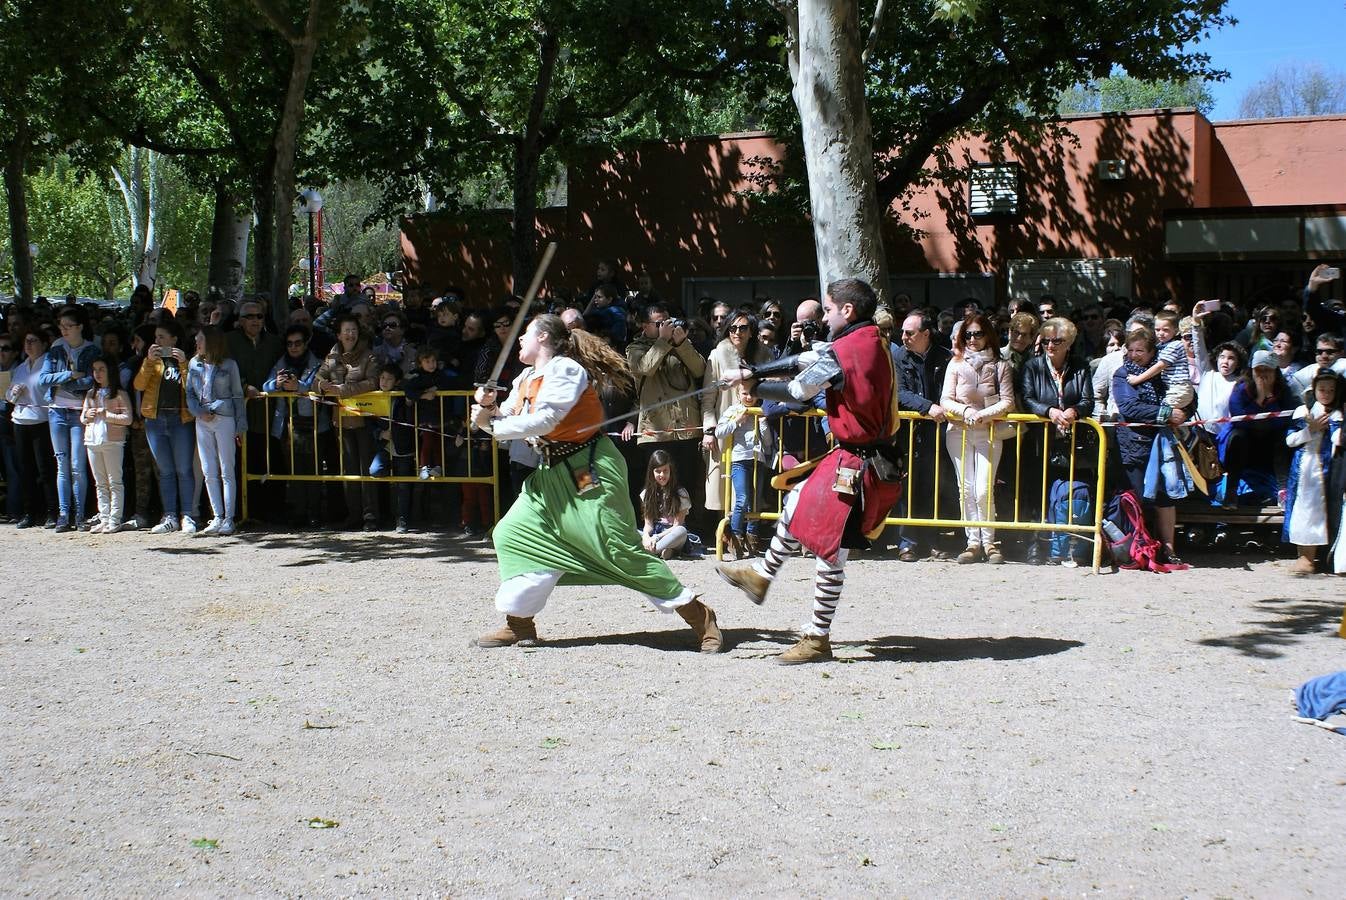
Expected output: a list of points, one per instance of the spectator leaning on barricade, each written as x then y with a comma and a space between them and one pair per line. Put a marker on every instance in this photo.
921, 364
32, 433
255, 351
1253, 451
1216, 384
66, 378
296, 424
738, 346
978, 387
666, 365
1055, 386
350, 369
1143, 404
216, 399
394, 349
162, 384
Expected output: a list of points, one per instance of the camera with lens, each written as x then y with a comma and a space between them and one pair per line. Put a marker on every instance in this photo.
678, 323
811, 330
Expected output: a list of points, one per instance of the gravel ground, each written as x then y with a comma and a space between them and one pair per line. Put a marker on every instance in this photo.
178, 712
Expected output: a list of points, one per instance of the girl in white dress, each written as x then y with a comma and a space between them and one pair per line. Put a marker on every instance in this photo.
1316, 435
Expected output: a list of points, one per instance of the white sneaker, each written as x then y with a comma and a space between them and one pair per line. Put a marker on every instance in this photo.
211, 529
113, 527
168, 525
226, 527
97, 529
188, 525
425, 472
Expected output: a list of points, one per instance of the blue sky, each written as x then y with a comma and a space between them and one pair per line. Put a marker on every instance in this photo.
1271, 33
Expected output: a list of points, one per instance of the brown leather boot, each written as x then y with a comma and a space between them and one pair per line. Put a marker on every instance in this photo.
734, 544
754, 545
810, 649
747, 579
516, 632
702, 619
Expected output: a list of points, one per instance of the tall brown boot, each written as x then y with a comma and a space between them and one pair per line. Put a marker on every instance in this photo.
754, 545
516, 632
702, 619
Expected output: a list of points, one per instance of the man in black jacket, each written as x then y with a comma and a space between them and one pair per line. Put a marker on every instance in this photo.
920, 374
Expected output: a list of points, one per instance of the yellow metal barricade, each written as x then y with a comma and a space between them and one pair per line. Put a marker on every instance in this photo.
450, 430
1002, 430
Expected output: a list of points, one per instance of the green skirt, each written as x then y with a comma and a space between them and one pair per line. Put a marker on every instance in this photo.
590, 538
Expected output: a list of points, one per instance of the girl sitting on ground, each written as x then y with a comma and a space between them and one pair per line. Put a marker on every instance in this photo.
665, 505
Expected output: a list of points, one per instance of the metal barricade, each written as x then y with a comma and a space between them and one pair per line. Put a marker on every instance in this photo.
449, 429
1002, 430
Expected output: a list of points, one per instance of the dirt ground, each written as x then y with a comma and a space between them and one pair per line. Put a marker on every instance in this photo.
179, 714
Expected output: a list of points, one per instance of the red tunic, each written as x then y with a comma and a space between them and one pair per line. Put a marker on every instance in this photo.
863, 412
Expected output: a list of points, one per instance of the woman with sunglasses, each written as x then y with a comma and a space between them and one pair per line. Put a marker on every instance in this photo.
978, 387
1055, 386
1261, 331
392, 347
738, 345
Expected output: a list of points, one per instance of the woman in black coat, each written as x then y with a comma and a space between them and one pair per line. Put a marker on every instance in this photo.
1055, 385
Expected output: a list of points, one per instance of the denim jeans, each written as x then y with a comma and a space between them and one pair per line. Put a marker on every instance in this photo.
400, 466
749, 478
173, 444
215, 446
72, 465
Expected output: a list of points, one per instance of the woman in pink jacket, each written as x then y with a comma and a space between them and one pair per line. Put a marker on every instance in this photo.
978, 387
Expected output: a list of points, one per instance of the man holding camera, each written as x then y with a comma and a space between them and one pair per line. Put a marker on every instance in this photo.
806, 328
666, 365
842, 500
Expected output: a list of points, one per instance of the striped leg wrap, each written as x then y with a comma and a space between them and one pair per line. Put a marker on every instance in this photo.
826, 594
782, 547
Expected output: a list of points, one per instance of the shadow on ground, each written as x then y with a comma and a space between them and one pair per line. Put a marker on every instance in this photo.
358, 546
1287, 620
894, 648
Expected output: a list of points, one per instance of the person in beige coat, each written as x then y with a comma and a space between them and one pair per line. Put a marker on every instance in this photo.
350, 370
739, 344
978, 387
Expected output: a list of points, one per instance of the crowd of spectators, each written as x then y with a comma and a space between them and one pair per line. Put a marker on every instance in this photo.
182, 389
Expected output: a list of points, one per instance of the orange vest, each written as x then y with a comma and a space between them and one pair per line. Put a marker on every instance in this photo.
587, 412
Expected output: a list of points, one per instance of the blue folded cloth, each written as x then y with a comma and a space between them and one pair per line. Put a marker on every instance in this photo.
1320, 697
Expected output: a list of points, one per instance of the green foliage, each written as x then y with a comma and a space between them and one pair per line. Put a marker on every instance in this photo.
1121, 93
79, 223
348, 245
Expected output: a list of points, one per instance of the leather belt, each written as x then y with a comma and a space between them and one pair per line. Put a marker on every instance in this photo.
553, 452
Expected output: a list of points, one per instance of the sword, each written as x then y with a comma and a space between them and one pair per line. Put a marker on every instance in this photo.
493, 383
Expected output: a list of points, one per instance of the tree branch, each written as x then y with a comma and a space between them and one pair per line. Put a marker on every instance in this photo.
138, 137
277, 21
880, 7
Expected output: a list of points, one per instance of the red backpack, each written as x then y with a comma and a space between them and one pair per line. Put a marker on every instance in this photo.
1129, 541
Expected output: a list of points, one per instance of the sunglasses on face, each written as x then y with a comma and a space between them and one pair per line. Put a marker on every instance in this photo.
1270, 319
1052, 342
739, 328
294, 343
1327, 351
387, 325
973, 335
502, 324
